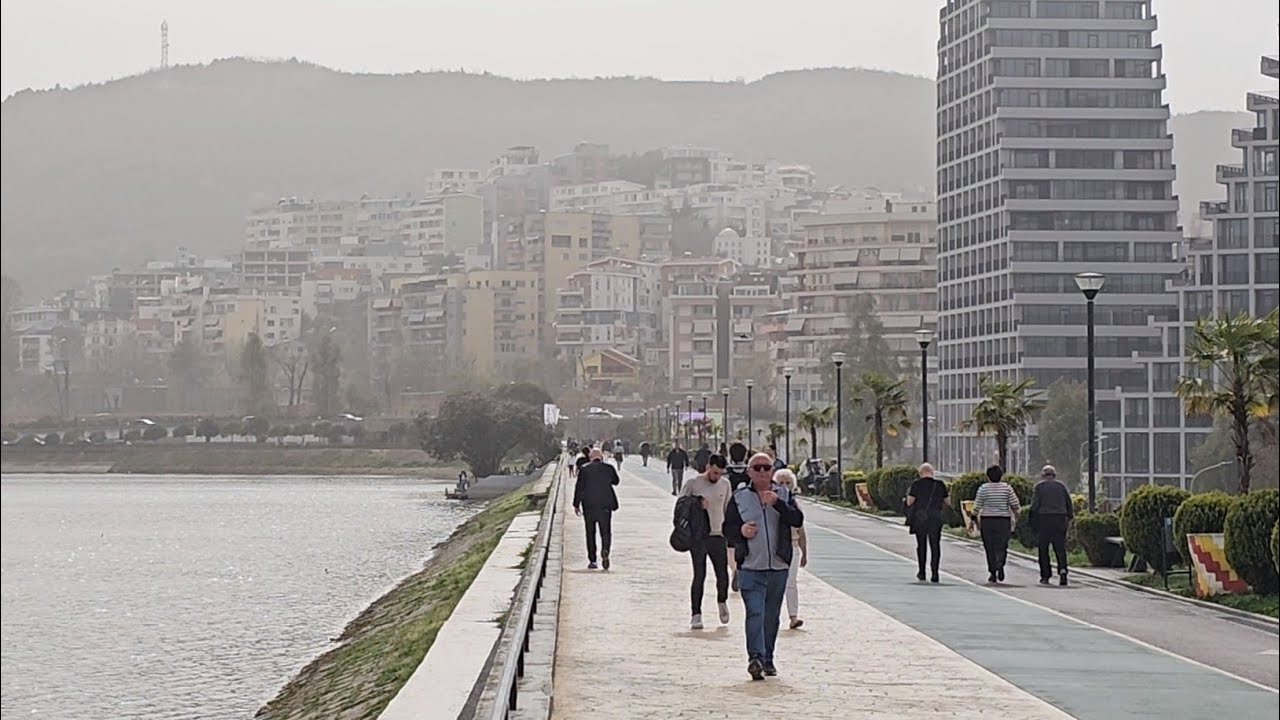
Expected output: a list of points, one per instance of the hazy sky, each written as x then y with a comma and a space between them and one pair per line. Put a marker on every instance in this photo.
1211, 48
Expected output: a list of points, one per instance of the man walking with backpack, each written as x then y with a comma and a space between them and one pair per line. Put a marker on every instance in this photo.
595, 500
758, 523
713, 492
677, 461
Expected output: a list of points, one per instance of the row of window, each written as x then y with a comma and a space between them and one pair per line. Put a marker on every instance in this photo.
1078, 220
1069, 9
1071, 68
1087, 190
1233, 234
1128, 315
1077, 98
1091, 159
1064, 283
1092, 251
1071, 39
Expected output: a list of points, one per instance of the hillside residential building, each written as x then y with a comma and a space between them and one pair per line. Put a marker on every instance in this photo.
885, 258
1236, 269
611, 303
715, 338
751, 251
1054, 158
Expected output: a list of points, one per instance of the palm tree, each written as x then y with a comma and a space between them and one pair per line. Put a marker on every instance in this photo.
814, 419
1233, 362
887, 399
1006, 409
776, 431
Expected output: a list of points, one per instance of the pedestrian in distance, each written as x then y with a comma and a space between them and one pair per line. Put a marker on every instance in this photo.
1051, 515
799, 540
758, 524
713, 491
677, 461
778, 464
595, 500
583, 458
645, 451
924, 517
996, 508
700, 458
619, 451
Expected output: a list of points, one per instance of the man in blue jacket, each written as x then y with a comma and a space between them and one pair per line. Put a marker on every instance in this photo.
758, 524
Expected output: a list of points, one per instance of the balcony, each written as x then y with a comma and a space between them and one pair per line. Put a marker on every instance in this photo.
1225, 172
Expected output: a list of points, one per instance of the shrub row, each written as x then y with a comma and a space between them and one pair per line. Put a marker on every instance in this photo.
1089, 531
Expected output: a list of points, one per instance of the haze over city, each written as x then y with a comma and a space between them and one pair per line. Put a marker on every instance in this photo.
69, 42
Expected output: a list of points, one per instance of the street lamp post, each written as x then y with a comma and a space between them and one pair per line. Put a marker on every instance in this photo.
1090, 283
688, 420
675, 430
702, 425
724, 421
924, 336
787, 372
838, 358
750, 384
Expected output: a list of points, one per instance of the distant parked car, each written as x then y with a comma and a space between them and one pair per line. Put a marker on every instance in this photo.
347, 417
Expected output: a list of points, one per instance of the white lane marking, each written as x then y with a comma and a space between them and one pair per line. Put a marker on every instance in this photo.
1086, 623
1272, 651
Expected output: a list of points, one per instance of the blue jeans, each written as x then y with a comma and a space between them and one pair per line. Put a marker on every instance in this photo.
762, 593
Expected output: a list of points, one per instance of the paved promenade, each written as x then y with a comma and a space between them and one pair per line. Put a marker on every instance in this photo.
875, 643
626, 651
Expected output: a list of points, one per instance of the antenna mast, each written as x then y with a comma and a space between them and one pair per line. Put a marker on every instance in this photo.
164, 44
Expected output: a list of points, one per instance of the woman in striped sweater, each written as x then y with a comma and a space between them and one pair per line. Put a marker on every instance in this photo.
996, 507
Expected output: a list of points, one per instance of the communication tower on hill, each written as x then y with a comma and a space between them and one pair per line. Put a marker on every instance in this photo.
164, 43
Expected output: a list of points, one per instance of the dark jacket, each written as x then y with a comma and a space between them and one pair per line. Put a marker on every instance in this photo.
787, 513
1051, 497
690, 507
594, 489
701, 457
677, 458
930, 495
737, 475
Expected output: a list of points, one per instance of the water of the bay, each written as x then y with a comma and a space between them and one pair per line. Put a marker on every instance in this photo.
188, 596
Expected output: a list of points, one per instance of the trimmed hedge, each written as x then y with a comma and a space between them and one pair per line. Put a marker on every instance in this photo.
1080, 503
1203, 513
1022, 487
1247, 539
893, 482
1090, 532
1142, 518
848, 485
964, 488
1022, 530
1275, 547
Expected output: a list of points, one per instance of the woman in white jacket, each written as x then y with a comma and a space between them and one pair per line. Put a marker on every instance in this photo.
800, 540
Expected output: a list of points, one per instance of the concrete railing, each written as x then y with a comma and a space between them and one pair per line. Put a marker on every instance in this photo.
511, 690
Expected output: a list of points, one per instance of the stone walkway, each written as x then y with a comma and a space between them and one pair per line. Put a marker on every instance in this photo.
625, 649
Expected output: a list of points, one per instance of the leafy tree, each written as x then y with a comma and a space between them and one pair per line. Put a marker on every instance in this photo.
812, 420
183, 430
1064, 428
258, 427
132, 435
480, 429
207, 428
887, 400
154, 432
524, 392
1234, 364
327, 361
866, 351
1005, 410
1219, 448
253, 373
97, 436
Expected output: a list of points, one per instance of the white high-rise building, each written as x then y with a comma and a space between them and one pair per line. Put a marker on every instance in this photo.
1054, 158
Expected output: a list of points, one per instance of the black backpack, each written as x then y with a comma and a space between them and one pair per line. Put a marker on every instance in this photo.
682, 535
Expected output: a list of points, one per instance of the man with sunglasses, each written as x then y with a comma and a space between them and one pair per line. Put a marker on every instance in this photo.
758, 524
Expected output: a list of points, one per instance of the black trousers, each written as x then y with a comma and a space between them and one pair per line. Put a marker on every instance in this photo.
995, 540
929, 538
709, 548
603, 521
1051, 531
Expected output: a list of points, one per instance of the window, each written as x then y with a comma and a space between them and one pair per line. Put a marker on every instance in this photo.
1240, 197
1233, 234
1152, 252
1264, 197
1167, 455
1035, 251
1164, 376
561, 241
1233, 302
1137, 455
1135, 413
1266, 270
1233, 270
1266, 232
1264, 161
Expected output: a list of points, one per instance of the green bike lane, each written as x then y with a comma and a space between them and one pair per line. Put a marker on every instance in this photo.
1019, 633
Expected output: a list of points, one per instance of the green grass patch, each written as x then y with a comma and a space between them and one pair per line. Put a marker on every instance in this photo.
1268, 605
848, 505
381, 648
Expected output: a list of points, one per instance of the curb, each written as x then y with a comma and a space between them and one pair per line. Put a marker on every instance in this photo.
1255, 620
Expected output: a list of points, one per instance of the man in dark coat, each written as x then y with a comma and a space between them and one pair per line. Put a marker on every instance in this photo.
595, 500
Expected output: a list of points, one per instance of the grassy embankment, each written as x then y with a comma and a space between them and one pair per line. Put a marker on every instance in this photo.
381, 648
1180, 585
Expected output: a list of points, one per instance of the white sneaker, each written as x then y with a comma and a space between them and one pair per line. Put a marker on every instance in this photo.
696, 623
724, 613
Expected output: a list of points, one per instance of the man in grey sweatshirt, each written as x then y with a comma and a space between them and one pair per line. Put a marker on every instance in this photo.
1051, 513
758, 523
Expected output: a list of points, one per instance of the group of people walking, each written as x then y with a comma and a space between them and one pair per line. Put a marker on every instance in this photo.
995, 510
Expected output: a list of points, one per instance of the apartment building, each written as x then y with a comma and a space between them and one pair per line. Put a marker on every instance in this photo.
750, 251
274, 269
454, 180
716, 337
443, 222
1054, 158
499, 320
1235, 269
611, 303
596, 197
884, 260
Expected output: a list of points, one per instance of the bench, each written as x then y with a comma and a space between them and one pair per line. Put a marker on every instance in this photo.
1115, 556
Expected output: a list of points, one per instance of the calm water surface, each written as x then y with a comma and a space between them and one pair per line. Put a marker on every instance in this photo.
192, 597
